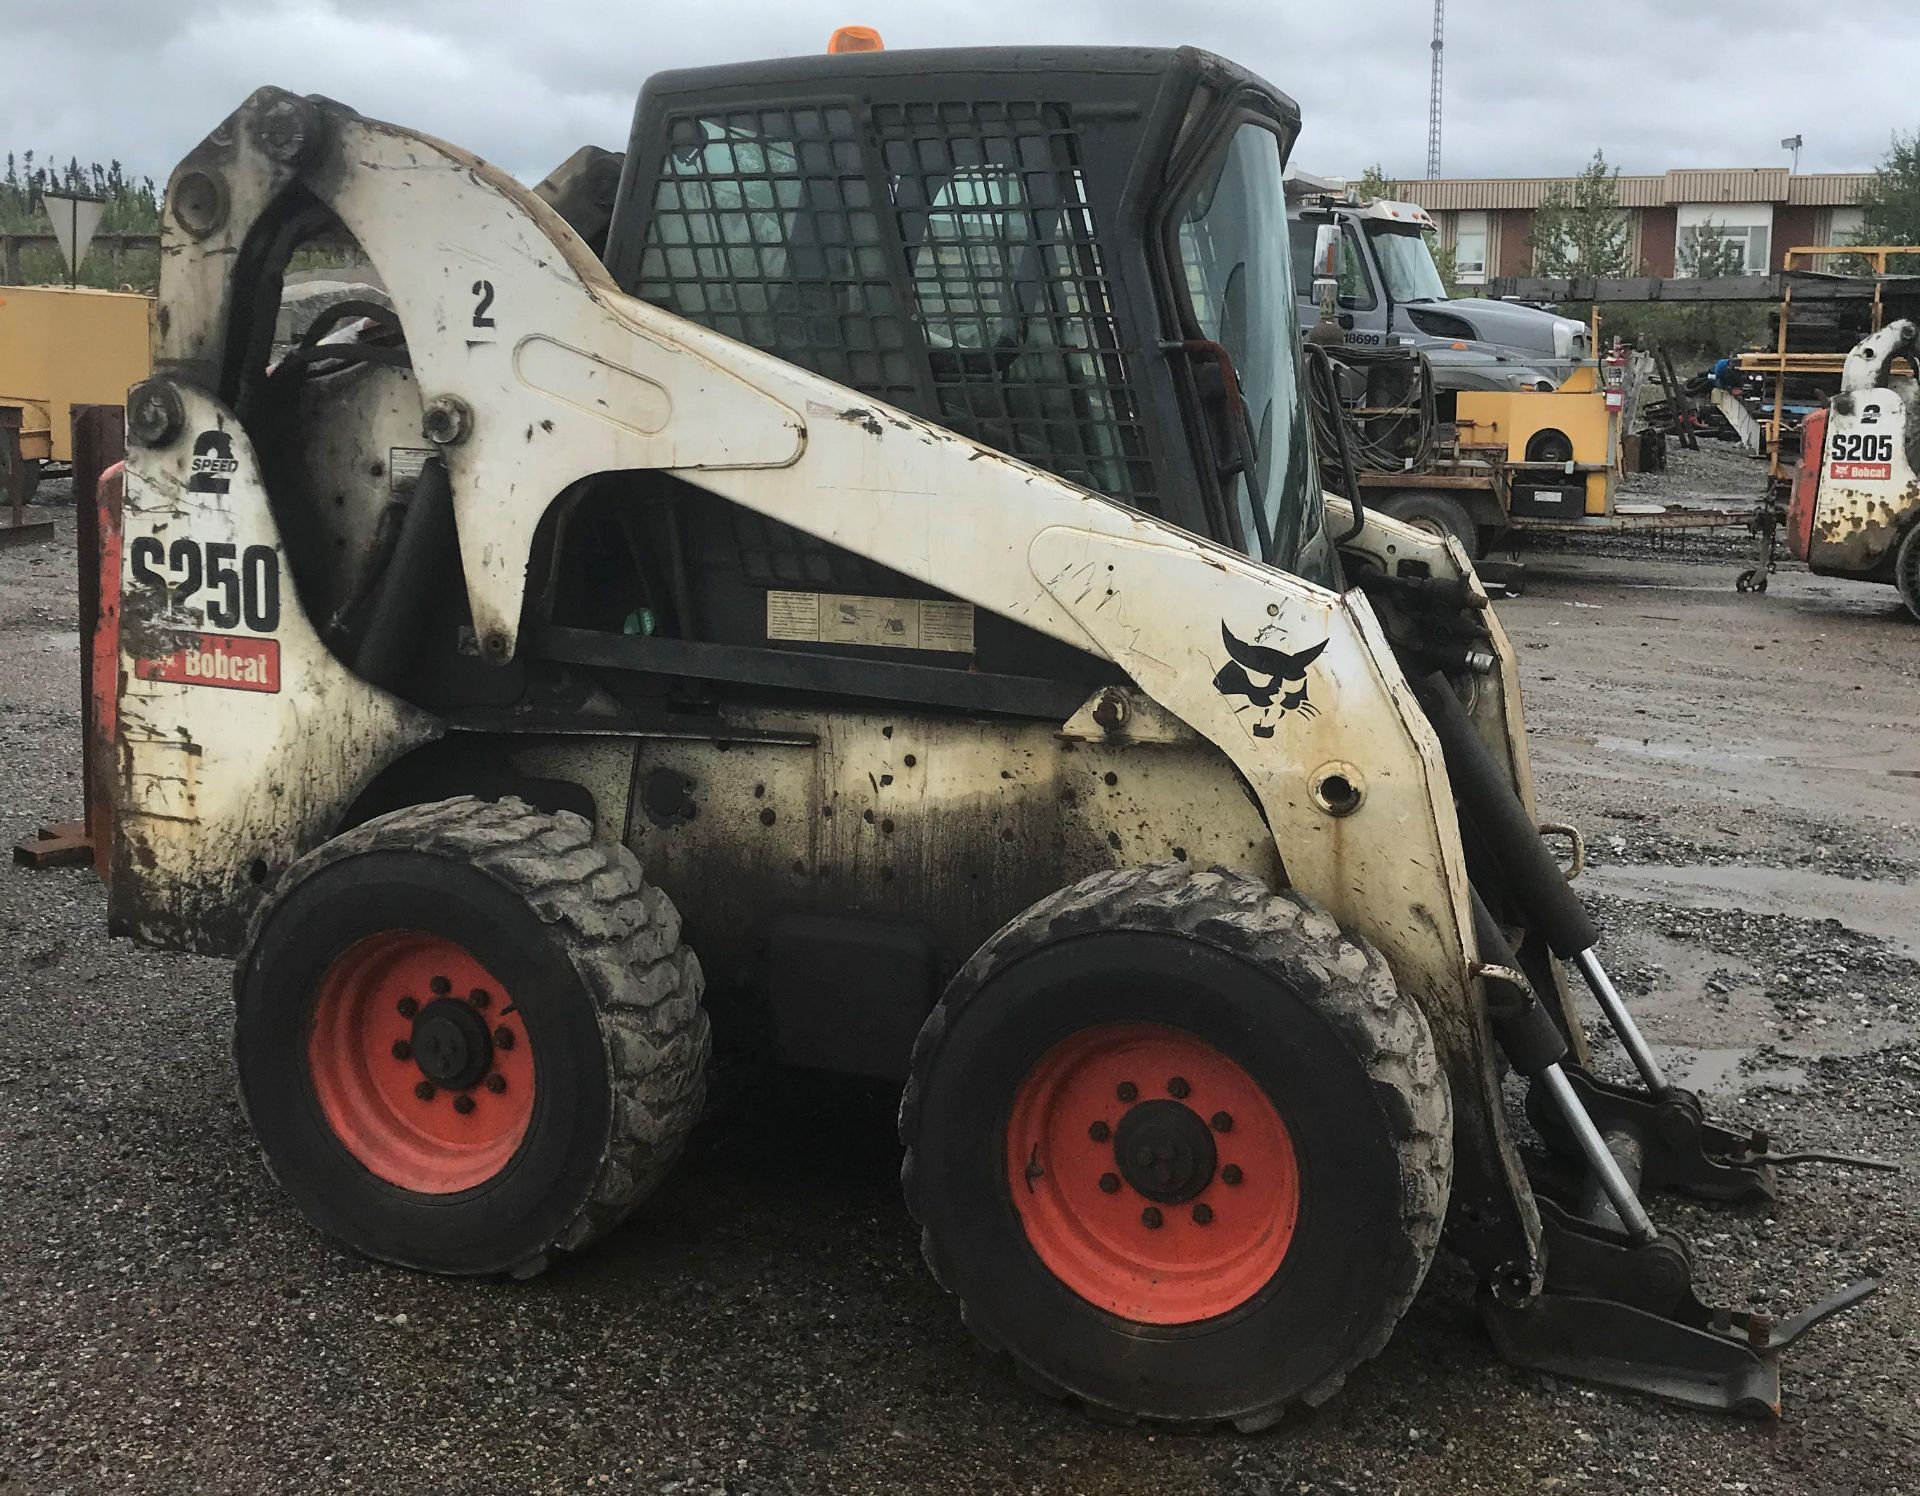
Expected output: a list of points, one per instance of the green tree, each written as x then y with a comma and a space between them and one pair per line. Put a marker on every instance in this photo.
132, 207
1890, 205
1373, 185
1710, 253
1580, 230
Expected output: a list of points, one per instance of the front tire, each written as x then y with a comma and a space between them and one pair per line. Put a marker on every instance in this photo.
468, 1036
1179, 1146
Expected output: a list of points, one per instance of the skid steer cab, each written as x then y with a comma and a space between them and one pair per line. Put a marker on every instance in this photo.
885, 617
1854, 506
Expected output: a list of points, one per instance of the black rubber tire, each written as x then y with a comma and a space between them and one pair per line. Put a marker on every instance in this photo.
1311, 1014
1439, 512
1906, 570
593, 959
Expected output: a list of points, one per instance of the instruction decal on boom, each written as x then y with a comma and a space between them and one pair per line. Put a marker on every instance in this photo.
1285, 690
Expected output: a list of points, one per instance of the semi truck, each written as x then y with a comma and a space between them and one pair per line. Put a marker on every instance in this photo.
1391, 295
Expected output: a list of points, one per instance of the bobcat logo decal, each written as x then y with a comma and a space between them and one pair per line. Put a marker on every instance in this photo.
1272, 681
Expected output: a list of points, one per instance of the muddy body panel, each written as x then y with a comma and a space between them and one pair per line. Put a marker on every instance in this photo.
1858, 493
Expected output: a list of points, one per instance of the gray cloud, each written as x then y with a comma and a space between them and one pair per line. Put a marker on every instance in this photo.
1532, 87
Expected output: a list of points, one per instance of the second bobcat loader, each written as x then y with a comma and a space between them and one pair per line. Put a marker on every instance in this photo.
885, 614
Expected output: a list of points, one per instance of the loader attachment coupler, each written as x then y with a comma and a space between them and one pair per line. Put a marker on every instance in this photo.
1616, 1303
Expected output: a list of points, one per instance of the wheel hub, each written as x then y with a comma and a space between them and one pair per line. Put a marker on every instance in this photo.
421, 1062
1164, 1151
1151, 1173
451, 1044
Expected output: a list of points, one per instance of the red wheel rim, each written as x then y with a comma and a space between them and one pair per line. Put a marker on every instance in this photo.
1152, 1175
420, 1062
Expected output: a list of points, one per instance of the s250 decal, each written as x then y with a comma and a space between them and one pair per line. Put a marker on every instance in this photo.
230, 585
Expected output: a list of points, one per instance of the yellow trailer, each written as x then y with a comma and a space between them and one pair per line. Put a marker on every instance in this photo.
61, 347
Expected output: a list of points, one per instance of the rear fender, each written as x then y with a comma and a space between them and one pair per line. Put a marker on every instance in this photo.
1868, 489
237, 741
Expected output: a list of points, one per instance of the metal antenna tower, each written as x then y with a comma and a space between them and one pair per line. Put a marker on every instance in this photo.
1433, 93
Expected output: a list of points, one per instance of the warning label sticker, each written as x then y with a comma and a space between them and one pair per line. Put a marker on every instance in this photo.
892, 622
232, 661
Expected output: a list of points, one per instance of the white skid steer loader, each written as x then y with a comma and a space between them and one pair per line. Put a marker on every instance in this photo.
921, 570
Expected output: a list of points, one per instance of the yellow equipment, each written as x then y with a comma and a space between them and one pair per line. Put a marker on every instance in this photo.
62, 347
1572, 424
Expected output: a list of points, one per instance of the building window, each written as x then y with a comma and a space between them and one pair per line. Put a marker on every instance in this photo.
1470, 249
1749, 226
1844, 225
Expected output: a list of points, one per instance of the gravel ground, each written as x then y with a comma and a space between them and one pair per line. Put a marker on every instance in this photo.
1747, 774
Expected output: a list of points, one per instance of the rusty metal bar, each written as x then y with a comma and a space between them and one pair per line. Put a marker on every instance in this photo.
99, 441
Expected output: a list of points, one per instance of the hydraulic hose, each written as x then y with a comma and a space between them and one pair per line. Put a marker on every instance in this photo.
1324, 395
1529, 874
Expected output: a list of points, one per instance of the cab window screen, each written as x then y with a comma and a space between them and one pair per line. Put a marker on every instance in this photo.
958, 275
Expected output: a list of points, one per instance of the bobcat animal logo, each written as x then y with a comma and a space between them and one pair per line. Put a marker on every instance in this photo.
1272, 681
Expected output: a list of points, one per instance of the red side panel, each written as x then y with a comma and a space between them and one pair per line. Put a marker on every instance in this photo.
1806, 485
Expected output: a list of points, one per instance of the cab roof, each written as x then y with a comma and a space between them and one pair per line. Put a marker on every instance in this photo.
936, 63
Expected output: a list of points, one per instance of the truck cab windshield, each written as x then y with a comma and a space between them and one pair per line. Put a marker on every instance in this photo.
1233, 244
1406, 264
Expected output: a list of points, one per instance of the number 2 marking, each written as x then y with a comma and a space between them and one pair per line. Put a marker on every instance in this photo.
483, 290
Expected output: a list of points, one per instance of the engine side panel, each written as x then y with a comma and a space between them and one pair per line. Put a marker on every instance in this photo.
240, 740
1869, 492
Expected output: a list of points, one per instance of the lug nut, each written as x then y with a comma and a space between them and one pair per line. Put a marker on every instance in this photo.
441, 986
1203, 1214
1109, 1184
463, 1103
1222, 1122
406, 1007
1150, 1218
1099, 1132
503, 1036
1231, 1174
1126, 1090
402, 1050
479, 997
496, 1083
424, 1090
1178, 1089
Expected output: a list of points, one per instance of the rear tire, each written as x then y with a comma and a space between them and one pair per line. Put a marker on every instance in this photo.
1437, 514
468, 1036
1118, 1292
1906, 570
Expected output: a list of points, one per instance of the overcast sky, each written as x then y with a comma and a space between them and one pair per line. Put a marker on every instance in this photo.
1532, 86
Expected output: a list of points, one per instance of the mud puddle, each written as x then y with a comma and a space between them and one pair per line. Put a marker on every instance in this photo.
1889, 911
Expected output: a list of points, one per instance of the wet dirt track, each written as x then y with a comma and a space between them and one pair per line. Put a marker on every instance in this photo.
1747, 774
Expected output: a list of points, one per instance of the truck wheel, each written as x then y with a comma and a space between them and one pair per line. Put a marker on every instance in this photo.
1180, 1147
1906, 570
1437, 514
468, 1035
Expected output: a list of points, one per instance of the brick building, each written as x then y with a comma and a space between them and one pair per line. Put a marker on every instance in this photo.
1486, 220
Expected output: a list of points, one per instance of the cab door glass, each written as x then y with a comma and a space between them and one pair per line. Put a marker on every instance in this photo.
1234, 259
